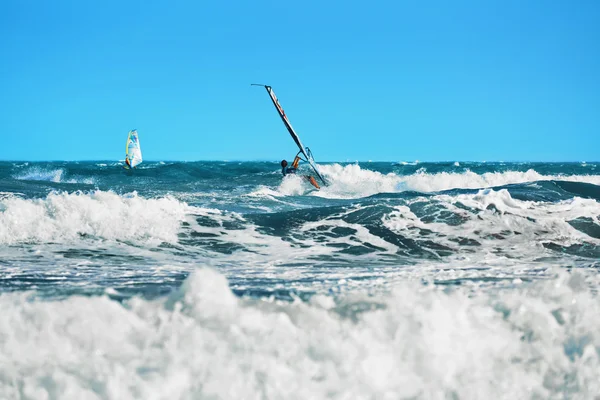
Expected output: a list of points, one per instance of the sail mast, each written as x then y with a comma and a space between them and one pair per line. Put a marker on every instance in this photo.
304, 150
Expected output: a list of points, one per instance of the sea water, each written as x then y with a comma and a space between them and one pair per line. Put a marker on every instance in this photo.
223, 280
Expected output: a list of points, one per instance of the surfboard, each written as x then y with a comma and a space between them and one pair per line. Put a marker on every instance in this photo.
133, 151
304, 150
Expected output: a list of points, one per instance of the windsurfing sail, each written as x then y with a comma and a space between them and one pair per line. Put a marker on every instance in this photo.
304, 150
133, 151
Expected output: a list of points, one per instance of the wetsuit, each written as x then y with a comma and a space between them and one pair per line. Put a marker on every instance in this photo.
291, 170
286, 170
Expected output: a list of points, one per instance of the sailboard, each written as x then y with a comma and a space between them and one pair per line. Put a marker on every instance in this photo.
133, 151
304, 150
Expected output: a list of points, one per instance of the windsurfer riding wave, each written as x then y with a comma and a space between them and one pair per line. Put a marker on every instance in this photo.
305, 151
292, 170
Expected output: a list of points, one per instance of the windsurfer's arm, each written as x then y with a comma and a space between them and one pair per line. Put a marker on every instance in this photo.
296, 161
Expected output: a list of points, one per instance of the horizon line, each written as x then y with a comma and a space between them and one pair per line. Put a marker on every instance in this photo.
325, 161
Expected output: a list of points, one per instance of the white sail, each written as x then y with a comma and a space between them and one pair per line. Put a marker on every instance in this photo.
133, 149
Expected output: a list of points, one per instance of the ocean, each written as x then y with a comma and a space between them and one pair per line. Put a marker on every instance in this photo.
221, 280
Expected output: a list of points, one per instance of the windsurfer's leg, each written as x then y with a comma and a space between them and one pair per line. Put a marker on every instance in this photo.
312, 181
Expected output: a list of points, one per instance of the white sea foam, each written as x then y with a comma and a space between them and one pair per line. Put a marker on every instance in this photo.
292, 185
473, 236
41, 174
535, 341
51, 175
67, 216
265, 192
498, 225
9, 195
87, 181
344, 182
352, 181
409, 162
361, 234
425, 182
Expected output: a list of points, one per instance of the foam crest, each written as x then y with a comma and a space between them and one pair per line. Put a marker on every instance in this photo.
351, 181
361, 234
424, 182
41, 174
501, 201
87, 181
536, 341
488, 216
292, 185
68, 216
51, 175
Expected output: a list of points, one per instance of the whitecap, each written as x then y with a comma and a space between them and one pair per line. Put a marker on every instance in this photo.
204, 342
66, 216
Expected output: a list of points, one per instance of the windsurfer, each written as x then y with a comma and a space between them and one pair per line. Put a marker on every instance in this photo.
303, 150
292, 170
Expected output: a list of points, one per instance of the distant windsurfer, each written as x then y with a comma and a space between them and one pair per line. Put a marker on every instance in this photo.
133, 152
292, 170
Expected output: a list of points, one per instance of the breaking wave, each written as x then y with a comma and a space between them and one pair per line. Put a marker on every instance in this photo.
424, 182
51, 175
41, 174
535, 341
352, 181
65, 216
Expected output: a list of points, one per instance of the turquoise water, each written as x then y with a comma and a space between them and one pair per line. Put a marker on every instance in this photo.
223, 280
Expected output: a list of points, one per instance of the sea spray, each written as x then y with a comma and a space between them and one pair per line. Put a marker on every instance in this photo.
538, 340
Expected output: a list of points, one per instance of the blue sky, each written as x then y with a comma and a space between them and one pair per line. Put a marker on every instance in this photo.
377, 80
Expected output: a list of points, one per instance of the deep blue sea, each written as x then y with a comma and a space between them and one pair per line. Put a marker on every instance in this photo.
224, 280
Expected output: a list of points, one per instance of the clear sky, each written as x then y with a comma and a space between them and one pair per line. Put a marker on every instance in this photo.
359, 80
